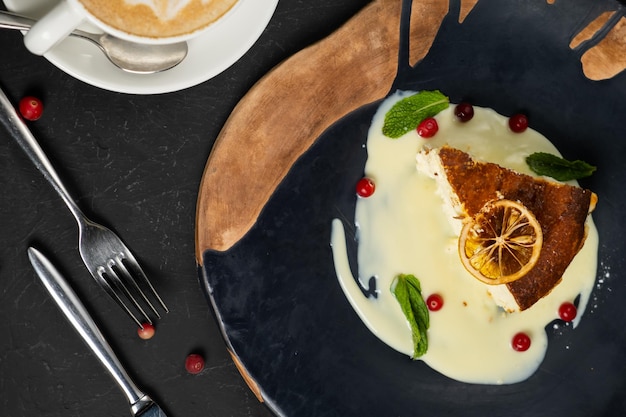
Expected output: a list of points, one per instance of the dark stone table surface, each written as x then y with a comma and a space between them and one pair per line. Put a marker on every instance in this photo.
135, 163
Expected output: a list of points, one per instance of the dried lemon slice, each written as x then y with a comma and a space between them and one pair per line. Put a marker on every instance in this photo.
501, 243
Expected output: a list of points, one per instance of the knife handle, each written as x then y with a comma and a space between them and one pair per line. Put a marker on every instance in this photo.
76, 313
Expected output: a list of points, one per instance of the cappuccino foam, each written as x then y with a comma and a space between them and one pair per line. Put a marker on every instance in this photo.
158, 18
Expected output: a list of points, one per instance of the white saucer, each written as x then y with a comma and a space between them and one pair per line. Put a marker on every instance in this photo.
209, 54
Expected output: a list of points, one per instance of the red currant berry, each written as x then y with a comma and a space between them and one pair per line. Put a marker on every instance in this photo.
31, 108
464, 112
434, 302
147, 332
567, 311
520, 342
518, 122
194, 363
365, 187
428, 128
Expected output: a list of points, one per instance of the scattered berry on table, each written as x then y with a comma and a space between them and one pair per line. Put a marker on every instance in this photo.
520, 342
518, 123
194, 363
147, 332
365, 187
31, 108
428, 128
464, 112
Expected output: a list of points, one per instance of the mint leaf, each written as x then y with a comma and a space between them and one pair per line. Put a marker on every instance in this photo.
543, 163
408, 292
407, 113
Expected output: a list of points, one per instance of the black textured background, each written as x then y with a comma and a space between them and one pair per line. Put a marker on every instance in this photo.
135, 163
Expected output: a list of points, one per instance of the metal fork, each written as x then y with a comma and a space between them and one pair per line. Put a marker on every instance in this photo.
108, 259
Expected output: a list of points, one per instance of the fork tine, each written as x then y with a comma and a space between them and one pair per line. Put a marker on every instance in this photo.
109, 260
113, 294
118, 282
128, 256
129, 278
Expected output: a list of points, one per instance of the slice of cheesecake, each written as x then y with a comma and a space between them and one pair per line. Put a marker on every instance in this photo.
466, 185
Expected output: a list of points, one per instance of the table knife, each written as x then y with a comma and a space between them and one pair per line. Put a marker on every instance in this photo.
69, 303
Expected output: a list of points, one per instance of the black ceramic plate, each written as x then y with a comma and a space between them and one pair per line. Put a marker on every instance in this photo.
275, 292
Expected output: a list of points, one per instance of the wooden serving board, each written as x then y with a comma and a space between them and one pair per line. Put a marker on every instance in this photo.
295, 102
302, 97
292, 105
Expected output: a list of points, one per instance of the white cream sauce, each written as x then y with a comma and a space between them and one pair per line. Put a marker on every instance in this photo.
402, 229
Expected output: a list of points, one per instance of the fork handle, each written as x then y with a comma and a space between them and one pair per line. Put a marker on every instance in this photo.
23, 136
77, 314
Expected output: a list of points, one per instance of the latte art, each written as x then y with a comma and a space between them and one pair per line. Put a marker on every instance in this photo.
158, 18
163, 9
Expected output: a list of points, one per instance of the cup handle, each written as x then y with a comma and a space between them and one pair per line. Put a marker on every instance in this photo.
55, 26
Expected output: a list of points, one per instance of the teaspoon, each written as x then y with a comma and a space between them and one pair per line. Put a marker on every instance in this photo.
128, 56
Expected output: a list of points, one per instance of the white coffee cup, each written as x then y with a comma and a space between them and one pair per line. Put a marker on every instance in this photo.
68, 15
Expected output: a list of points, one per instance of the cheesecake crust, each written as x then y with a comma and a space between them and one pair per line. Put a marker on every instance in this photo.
560, 209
